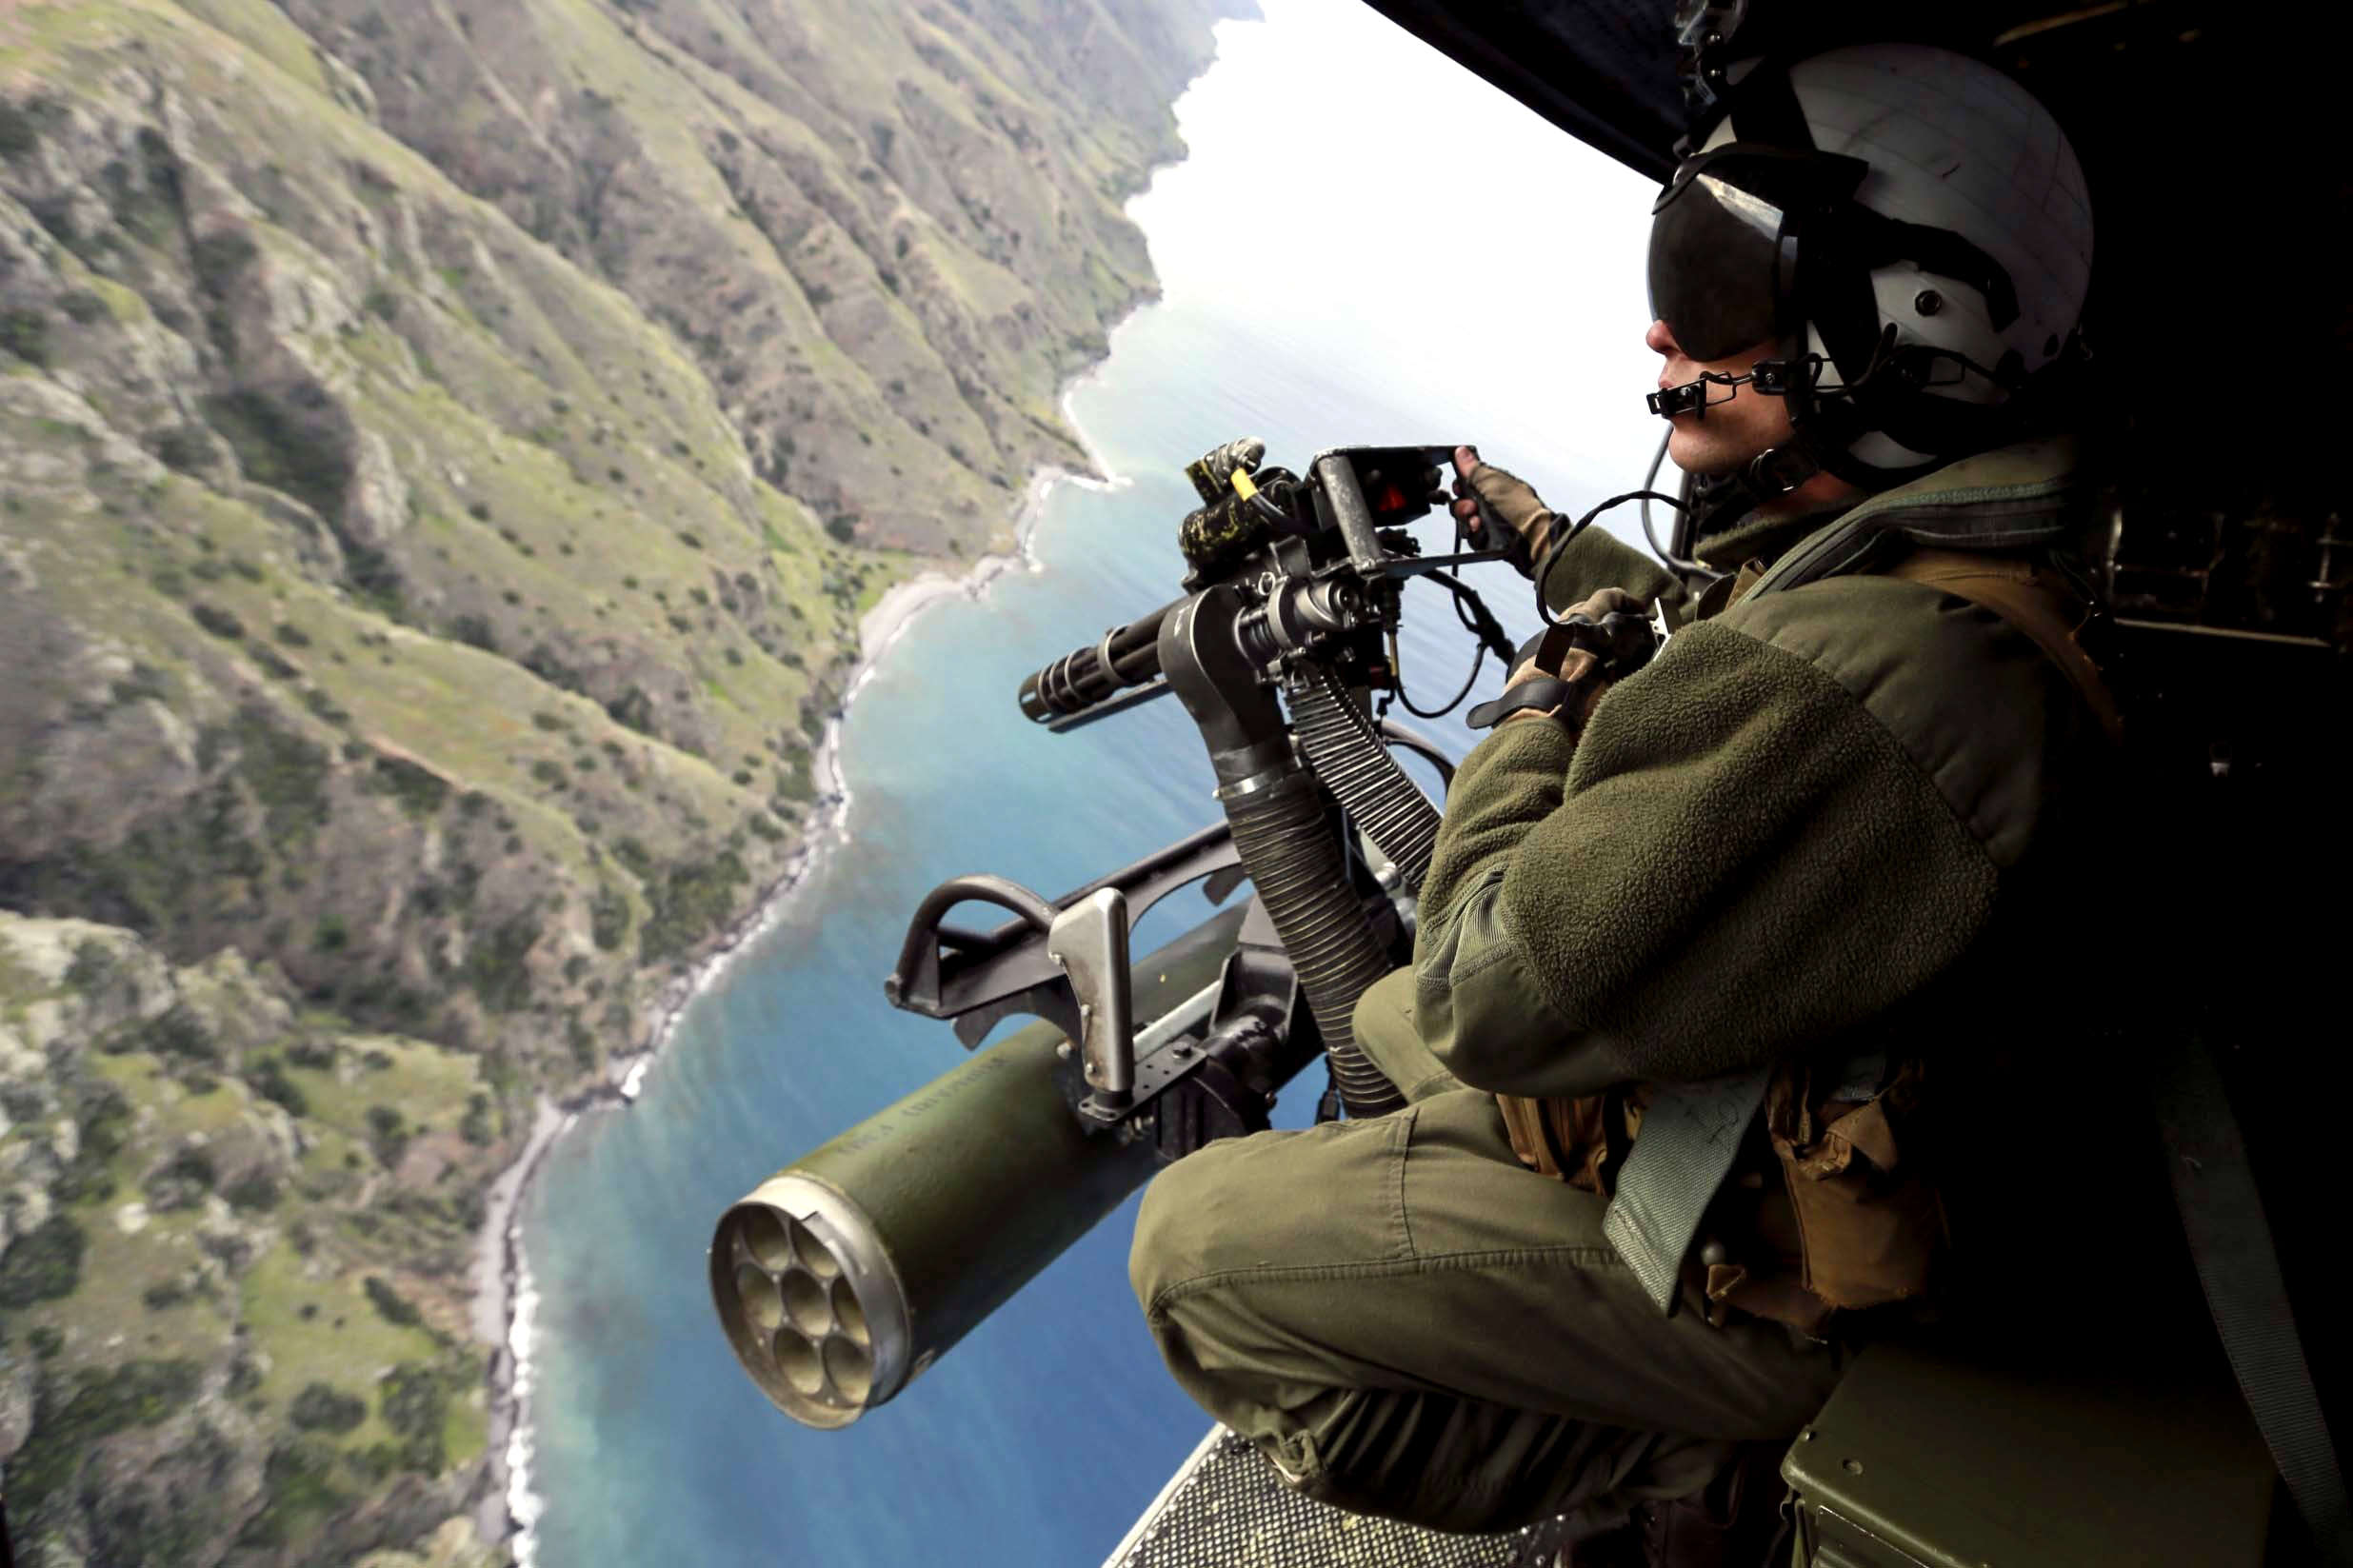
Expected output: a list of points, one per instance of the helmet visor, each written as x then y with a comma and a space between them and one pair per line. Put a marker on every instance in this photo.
1725, 243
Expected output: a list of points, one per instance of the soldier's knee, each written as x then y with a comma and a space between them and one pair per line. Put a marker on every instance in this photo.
1181, 1225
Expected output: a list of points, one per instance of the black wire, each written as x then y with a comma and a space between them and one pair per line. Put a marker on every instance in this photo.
1478, 662
1559, 546
1477, 619
1650, 531
1491, 632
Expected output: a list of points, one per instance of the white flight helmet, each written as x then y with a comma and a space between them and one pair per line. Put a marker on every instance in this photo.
1909, 230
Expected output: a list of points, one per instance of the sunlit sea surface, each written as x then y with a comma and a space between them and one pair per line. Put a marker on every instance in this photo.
1365, 245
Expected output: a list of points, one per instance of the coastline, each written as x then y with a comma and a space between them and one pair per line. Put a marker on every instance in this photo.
504, 1506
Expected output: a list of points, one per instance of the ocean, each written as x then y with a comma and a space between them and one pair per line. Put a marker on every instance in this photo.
1363, 244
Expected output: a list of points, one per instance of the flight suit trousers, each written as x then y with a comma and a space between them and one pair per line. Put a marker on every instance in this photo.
1411, 1324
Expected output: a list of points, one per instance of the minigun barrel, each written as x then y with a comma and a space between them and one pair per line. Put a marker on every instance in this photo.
851, 1270
1128, 656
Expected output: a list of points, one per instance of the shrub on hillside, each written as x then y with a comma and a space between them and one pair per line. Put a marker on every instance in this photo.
25, 333
321, 1407
390, 1304
415, 1404
45, 1264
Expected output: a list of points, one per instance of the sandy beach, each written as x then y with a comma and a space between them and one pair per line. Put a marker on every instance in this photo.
506, 1505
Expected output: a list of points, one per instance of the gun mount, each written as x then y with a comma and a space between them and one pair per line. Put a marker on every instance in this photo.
844, 1274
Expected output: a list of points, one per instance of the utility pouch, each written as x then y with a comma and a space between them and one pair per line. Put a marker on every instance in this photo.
1581, 1141
1870, 1225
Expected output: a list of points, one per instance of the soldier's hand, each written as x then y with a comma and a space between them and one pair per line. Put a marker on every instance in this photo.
1500, 511
1587, 656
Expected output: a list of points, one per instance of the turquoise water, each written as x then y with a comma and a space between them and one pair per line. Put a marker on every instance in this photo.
1037, 1440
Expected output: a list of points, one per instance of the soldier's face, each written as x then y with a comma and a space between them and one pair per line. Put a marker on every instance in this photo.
1731, 432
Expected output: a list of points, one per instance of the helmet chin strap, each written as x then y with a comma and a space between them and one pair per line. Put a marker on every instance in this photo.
1778, 470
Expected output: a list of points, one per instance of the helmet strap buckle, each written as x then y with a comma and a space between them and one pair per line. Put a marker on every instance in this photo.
1778, 470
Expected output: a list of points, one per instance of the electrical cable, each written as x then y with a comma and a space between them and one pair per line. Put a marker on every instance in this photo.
1482, 626
1478, 658
1560, 547
1674, 562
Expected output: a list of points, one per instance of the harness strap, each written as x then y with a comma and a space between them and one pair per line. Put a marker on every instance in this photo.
1690, 1135
2238, 1267
2035, 601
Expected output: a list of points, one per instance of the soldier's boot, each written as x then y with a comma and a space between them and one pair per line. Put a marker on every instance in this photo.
1620, 1546
1735, 1522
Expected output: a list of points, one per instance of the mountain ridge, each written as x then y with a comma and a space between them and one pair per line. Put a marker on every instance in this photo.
445, 453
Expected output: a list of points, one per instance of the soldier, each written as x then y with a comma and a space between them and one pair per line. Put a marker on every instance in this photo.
1707, 953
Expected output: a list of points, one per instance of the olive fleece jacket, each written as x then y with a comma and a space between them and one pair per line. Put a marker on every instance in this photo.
1801, 813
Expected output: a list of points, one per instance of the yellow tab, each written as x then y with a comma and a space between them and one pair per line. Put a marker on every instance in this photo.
1243, 486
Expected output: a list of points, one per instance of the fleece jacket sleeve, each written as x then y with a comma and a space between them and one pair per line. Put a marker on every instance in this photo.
1596, 560
1796, 817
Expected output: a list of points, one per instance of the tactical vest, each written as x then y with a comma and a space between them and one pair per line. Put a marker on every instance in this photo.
1836, 1219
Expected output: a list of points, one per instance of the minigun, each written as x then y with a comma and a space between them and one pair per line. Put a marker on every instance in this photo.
844, 1274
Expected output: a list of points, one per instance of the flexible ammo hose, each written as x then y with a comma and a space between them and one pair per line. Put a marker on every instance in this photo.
1348, 755
1294, 861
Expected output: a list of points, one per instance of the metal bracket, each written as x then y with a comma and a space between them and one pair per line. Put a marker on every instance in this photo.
979, 977
1089, 941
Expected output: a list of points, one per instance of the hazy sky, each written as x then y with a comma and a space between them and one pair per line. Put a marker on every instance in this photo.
1478, 267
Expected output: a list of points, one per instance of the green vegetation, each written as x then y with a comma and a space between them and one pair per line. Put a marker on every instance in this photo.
608, 917
300, 1495
420, 791
286, 773
471, 342
181, 1182
268, 1079
277, 447
103, 1119
178, 1032
691, 901
25, 333
256, 1190
73, 1411
216, 621
45, 1264
475, 1126
415, 1404
496, 966
390, 1304
322, 1407
19, 134
91, 973
390, 1136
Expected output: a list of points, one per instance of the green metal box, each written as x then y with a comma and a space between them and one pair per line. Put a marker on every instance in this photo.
1948, 1460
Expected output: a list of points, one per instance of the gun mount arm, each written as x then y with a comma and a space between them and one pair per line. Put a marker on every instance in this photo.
1089, 941
977, 978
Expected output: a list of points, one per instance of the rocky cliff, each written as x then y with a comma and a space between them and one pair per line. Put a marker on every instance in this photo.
444, 452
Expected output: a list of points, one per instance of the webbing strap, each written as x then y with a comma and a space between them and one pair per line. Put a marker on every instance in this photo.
2045, 613
1691, 1134
2230, 1242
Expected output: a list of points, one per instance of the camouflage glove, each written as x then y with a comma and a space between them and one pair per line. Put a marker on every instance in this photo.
1500, 511
1562, 672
